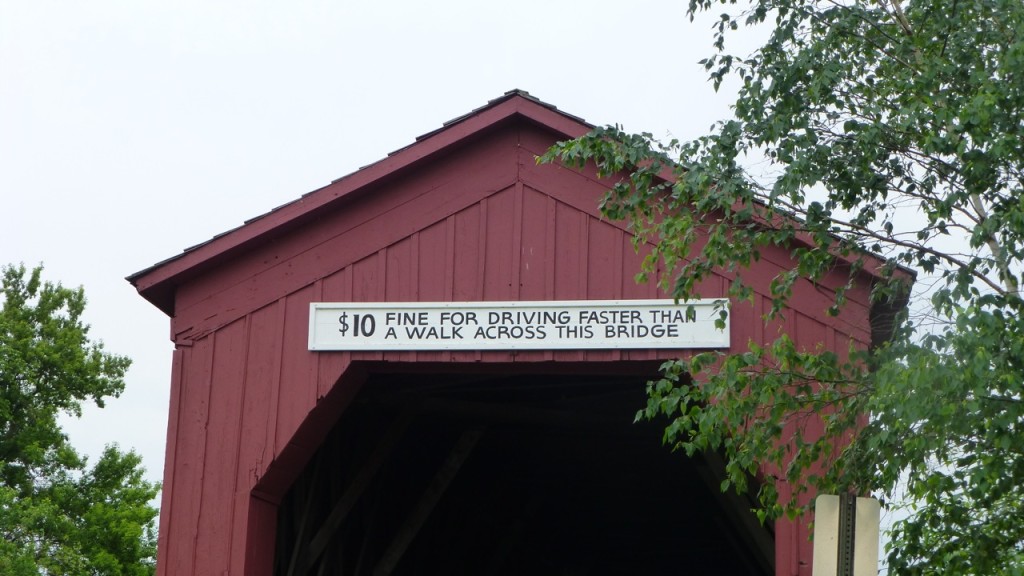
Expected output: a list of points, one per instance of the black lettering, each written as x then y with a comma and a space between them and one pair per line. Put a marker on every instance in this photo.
406, 318
365, 323
434, 332
575, 332
458, 318
641, 331
673, 316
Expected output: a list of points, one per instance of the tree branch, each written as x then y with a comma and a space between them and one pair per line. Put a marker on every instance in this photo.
997, 250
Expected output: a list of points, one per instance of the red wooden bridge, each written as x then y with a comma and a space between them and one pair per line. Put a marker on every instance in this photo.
286, 461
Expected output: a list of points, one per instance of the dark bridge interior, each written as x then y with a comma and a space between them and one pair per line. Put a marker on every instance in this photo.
509, 475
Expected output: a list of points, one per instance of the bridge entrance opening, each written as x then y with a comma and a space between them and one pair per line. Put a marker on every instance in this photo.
506, 475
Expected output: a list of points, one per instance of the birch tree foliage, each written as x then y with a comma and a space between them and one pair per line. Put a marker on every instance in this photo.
59, 515
888, 127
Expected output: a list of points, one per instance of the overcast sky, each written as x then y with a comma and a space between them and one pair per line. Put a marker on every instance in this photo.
130, 130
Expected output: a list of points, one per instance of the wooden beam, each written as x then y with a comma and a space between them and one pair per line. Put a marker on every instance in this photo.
369, 534
449, 469
359, 484
297, 564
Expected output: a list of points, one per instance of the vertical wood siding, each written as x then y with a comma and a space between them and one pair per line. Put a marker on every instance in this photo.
486, 223
189, 457
227, 393
174, 413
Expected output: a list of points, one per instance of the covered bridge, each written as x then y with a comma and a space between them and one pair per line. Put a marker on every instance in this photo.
288, 456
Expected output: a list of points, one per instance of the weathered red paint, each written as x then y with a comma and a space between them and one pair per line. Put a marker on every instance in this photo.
463, 214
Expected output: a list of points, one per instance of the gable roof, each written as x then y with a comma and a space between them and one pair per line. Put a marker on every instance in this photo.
157, 282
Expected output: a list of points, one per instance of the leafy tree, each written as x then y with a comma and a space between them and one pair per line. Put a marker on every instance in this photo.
57, 514
893, 127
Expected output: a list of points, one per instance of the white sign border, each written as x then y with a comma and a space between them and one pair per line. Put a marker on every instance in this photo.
721, 339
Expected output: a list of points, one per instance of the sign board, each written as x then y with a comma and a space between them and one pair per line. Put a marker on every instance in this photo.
845, 536
541, 325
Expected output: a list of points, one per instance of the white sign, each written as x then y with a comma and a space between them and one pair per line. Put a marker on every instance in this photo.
845, 542
542, 325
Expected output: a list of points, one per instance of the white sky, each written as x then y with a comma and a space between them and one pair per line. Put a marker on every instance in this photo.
132, 129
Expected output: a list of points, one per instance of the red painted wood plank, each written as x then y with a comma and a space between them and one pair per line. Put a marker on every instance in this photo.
814, 300
277, 386
498, 253
336, 288
501, 273
571, 253
227, 391
298, 369
604, 272
535, 141
259, 538
466, 247
468, 254
536, 255
810, 334
632, 264
189, 457
786, 548
402, 270
434, 279
368, 276
259, 409
581, 190
448, 250
549, 258
810, 299
537, 250
745, 325
401, 281
860, 294
516, 253
604, 258
368, 281
570, 262
166, 497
